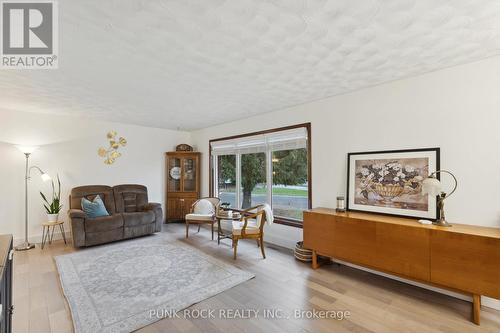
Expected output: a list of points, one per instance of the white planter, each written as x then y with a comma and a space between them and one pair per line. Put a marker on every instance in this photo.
52, 217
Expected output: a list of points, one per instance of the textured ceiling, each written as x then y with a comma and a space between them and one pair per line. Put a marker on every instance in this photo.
191, 64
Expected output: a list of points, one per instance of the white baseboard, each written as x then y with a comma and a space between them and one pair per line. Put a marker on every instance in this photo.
485, 301
490, 302
280, 241
37, 239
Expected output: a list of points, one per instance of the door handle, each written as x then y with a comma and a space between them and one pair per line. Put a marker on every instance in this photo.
11, 254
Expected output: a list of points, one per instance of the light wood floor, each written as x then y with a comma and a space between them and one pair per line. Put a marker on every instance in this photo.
376, 304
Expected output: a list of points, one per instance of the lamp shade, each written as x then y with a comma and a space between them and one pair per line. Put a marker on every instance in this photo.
27, 149
431, 186
45, 177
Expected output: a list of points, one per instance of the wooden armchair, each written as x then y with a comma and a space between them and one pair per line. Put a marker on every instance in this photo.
203, 211
250, 226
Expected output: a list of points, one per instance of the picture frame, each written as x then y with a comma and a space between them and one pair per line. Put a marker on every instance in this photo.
389, 182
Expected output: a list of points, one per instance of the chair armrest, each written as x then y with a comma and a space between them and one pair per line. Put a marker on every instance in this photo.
249, 216
152, 206
77, 222
248, 211
158, 211
76, 213
244, 219
191, 209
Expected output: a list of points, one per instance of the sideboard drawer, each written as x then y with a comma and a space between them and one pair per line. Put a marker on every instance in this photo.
318, 233
355, 241
404, 251
466, 262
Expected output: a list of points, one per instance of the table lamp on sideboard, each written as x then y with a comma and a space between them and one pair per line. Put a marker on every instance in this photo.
432, 186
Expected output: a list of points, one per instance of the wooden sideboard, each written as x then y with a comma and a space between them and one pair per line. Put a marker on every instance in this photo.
461, 258
6, 308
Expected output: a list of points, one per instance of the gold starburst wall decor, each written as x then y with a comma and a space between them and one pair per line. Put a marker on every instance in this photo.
111, 153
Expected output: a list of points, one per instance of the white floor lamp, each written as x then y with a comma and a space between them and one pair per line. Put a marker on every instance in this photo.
27, 150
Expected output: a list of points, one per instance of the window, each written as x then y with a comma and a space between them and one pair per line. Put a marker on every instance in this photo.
271, 166
253, 180
226, 179
290, 188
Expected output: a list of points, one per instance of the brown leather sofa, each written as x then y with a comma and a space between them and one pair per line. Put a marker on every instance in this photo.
130, 214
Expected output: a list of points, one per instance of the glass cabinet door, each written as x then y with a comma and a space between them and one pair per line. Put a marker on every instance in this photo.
189, 174
174, 174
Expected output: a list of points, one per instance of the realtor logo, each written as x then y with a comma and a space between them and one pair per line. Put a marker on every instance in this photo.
29, 34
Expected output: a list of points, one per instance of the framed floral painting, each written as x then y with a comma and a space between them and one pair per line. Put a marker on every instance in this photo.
390, 182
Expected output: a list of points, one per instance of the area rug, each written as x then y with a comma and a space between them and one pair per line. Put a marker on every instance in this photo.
114, 288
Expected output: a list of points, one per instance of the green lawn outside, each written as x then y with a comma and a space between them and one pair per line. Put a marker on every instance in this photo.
276, 191
283, 191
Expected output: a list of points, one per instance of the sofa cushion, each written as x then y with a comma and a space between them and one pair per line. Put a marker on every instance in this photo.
199, 217
138, 218
252, 227
89, 192
130, 198
104, 223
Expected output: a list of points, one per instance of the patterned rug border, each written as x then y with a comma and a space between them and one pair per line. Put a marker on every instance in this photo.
141, 319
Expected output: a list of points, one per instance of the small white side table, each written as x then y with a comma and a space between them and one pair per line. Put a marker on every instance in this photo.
47, 235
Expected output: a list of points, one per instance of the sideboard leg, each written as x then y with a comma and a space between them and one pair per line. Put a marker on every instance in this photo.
314, 260
476, 309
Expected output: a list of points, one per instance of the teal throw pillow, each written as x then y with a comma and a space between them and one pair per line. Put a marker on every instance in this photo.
94, 208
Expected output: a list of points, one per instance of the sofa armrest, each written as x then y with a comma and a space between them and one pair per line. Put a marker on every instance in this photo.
152, 206
76, 213
77, 222
156, 208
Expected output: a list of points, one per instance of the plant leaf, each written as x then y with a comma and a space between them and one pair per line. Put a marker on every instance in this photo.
53, 190
44, 198
59, 186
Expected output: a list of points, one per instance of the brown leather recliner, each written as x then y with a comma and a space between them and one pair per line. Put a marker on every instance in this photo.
130, 214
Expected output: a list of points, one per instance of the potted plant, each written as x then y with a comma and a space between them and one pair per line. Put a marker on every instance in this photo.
54, 207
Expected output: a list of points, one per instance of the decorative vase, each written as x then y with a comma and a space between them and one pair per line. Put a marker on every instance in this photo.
52, 217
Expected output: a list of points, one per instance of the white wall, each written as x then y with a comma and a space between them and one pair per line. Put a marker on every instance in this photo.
457, 109
68, 146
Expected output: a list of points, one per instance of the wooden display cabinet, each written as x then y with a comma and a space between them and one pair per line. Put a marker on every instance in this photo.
183, 183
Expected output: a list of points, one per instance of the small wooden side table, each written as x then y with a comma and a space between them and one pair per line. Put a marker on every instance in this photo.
47, 235
220, 232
